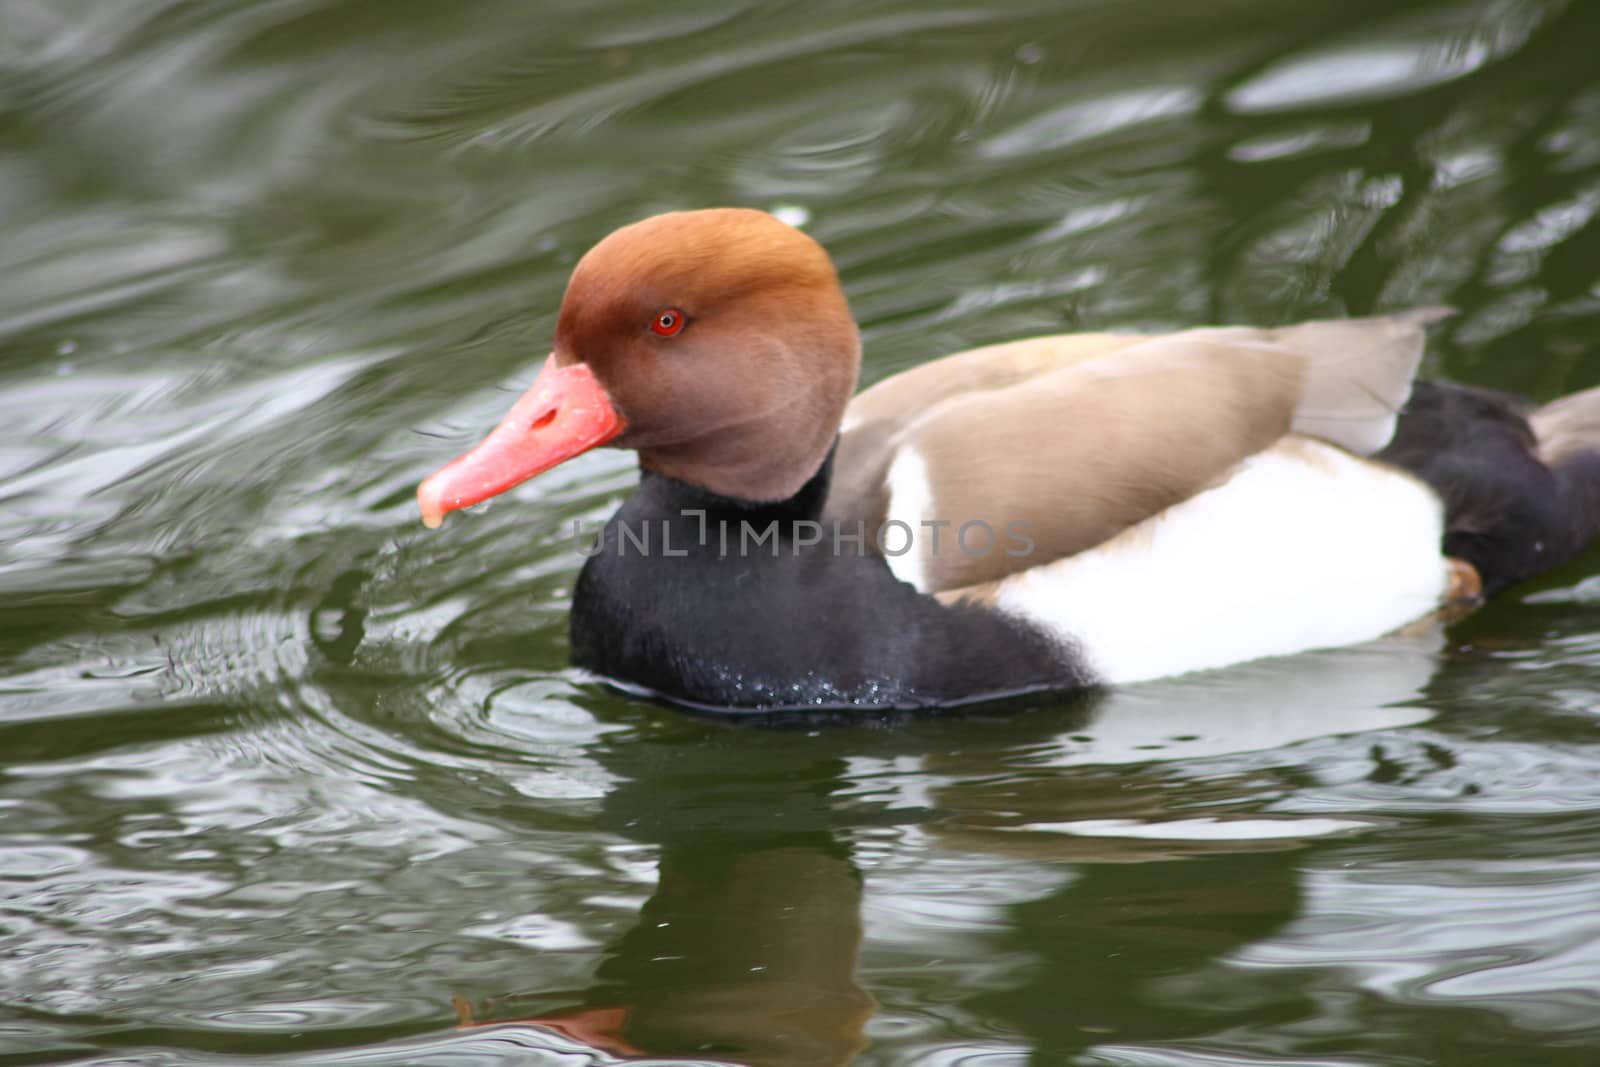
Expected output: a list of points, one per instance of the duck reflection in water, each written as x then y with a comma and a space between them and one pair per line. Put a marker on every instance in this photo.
1100, 889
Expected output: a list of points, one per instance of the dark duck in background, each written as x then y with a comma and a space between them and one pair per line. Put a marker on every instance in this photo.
1035, 517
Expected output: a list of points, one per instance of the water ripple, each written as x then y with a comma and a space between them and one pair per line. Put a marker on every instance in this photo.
1402, 56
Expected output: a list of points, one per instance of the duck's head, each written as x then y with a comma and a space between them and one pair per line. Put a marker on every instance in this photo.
717, 344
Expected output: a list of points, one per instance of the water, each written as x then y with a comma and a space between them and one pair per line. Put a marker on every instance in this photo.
288, 780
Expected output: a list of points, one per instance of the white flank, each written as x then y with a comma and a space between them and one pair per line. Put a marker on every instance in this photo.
1304, 546
910, 502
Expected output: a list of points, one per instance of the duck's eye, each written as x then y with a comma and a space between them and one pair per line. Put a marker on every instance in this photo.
668, 323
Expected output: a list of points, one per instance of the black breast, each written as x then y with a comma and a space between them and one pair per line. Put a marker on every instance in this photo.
719, 603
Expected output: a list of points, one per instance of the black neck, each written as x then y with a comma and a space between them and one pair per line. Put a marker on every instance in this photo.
671, 495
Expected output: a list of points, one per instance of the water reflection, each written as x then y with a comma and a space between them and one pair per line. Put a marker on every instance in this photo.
747, 949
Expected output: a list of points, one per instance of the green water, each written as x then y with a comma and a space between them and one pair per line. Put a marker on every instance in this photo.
285, 779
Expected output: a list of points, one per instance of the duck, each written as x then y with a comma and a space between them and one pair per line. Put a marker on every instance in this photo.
1028, 520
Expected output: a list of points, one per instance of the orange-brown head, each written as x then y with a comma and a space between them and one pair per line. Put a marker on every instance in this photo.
716, 343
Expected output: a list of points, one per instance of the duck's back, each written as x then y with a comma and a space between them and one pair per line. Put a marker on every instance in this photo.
1081, 437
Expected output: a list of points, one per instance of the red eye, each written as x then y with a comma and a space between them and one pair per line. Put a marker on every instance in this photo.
668, 323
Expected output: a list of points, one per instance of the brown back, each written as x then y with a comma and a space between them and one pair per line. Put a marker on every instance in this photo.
1078, 438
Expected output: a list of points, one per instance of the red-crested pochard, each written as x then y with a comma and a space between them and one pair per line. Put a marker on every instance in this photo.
1040, 516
